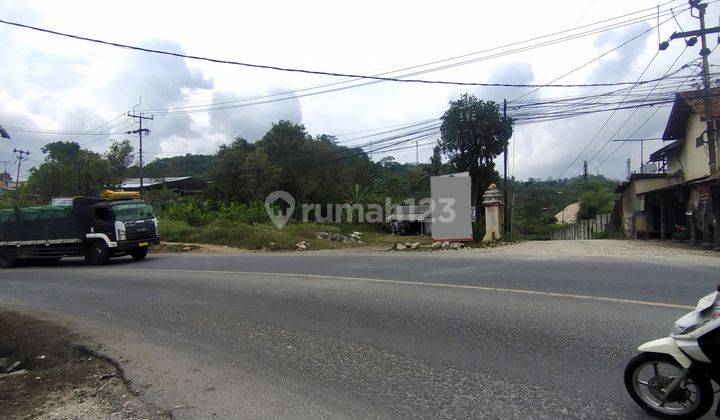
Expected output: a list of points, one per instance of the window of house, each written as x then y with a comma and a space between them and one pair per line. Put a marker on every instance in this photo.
640, 202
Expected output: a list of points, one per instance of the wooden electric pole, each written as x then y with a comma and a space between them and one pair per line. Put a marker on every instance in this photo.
21, 156
704, 53
140, 131
506, 212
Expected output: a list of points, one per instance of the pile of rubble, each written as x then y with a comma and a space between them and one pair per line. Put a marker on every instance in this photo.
344, 238
354, 237
448, 245
437, 245
406, 246
10, 368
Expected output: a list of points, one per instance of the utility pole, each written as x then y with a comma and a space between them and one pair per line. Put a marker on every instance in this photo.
87, 177
21, 156
417, 153
506, 219
512, 211
57, 192
629, 169
642, 156
642, 150
5, 171
704, 53
585, 171
140, 131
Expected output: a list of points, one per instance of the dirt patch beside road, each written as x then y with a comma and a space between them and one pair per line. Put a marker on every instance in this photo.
600, 248
54, 377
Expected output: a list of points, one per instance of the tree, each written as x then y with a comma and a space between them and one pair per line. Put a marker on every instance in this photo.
435, 162
595, 199
230, 175
388, 162
201, 166
474, 132
119, 156
68, 170
61, 151
260, 175
6, 178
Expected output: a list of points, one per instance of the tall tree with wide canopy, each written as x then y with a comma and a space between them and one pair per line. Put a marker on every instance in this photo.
473, 133
120, 155
68, 170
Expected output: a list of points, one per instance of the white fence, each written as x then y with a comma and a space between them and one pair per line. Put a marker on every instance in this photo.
583, 229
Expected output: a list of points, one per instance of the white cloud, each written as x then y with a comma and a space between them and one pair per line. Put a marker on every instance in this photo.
252, 122
60, 84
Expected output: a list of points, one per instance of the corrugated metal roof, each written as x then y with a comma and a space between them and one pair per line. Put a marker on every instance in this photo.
135, 182
408, 213
661, 153
414, 217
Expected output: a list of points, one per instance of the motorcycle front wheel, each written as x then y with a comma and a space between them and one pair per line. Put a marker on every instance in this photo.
648, 374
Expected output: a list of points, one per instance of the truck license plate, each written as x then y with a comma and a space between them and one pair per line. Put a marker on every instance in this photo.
143, 244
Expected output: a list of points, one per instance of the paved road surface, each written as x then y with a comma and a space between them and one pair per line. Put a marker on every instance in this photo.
372, 335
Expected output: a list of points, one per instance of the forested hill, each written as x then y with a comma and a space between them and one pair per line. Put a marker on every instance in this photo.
550, 193
534, 199
537, 201
188, 165
556, 194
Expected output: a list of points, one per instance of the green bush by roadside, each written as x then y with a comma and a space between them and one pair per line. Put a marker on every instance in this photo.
609, 234
265, 236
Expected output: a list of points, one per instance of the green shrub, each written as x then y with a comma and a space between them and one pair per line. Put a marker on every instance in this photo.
608, 234
176, 231
267, 236
197, 212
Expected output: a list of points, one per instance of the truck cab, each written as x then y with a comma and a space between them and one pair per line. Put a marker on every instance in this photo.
98, 229
125, 227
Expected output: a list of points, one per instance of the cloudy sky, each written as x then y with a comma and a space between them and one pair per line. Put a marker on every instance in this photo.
54, 88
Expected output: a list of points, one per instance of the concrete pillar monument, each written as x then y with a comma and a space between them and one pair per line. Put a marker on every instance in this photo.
492, 201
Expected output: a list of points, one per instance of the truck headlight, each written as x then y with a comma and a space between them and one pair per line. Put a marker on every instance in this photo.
120, 231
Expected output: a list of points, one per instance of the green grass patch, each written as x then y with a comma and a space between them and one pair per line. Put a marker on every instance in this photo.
261, 236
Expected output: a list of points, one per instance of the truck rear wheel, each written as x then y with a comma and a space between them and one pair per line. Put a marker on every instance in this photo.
97, 253
139, 254
5, 260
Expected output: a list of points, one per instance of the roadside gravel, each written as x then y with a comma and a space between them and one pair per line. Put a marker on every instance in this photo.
607, 247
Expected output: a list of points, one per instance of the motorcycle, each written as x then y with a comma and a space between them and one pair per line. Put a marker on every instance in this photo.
680, 233
672, 377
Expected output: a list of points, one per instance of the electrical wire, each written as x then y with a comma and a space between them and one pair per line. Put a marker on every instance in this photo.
629, 117
642, 124
295, 70
597, 133
593, 60
575, 36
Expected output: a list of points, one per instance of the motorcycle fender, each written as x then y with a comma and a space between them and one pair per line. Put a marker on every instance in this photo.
667, 346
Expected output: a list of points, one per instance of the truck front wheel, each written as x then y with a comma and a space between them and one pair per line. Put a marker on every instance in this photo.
5, 260
97, 253
139, 254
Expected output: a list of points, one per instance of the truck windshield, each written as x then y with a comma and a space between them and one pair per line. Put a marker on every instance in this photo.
133, 211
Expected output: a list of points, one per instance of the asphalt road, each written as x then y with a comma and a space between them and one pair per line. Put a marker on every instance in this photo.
371, 335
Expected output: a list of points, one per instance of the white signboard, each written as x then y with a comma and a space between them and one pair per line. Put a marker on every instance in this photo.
451, 209
62, 201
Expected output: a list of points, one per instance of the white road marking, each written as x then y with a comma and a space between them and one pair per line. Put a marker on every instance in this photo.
444, 285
